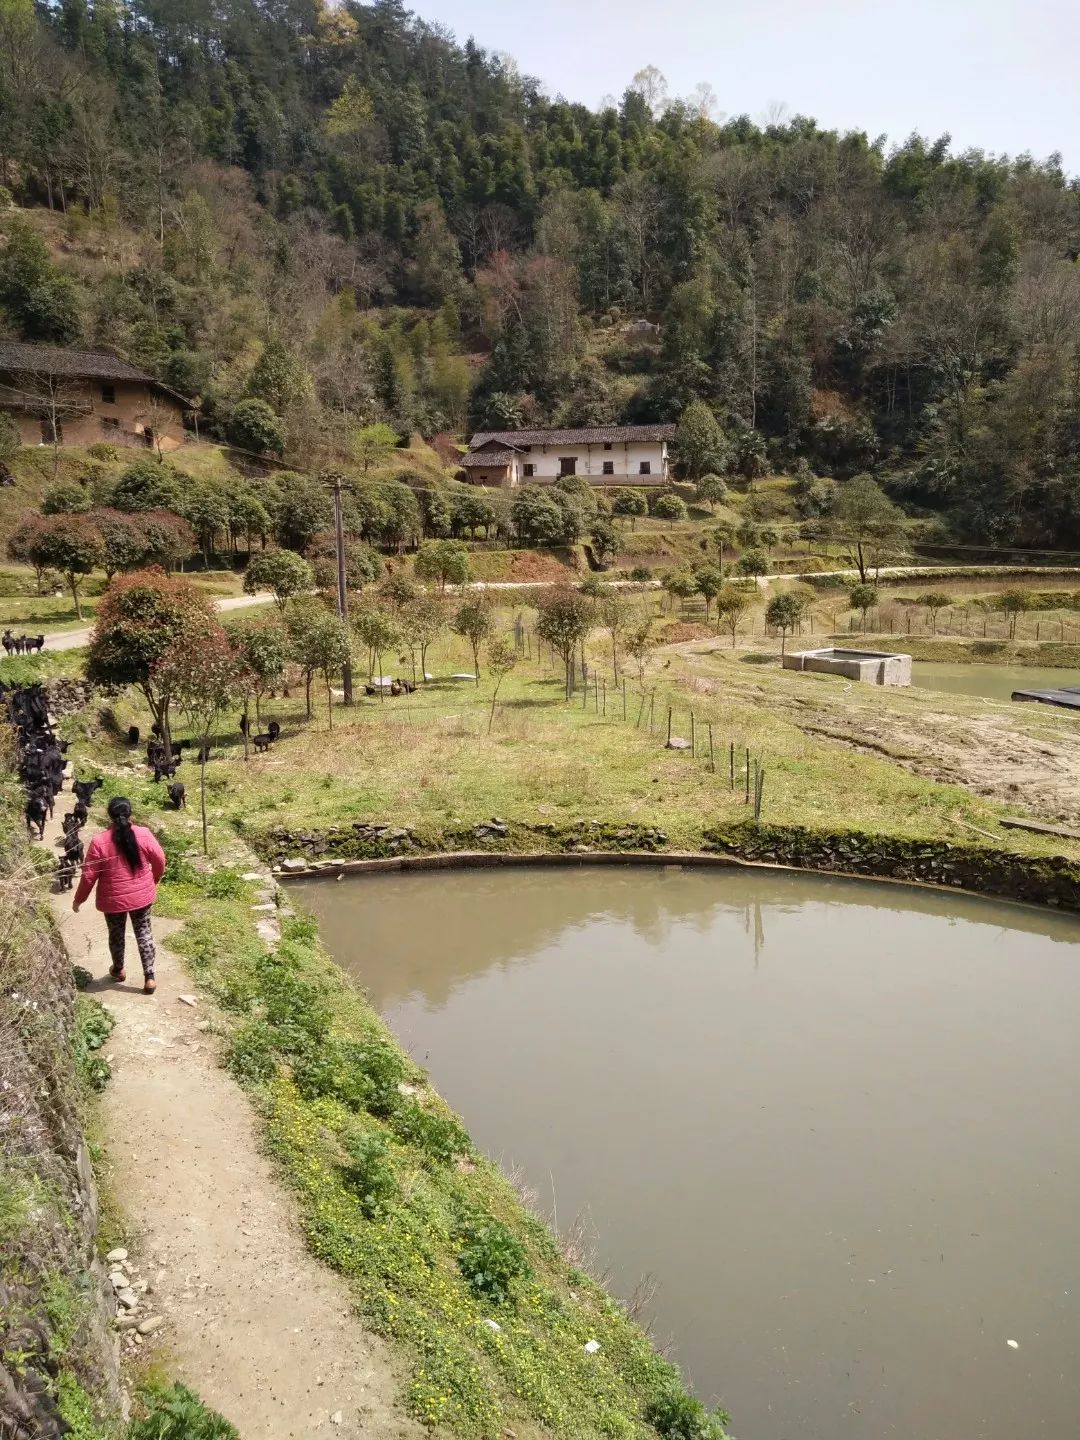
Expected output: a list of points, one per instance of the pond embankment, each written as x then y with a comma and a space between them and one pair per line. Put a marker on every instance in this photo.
981, 869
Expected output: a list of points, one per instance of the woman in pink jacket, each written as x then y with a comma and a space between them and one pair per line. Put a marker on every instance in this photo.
125, 862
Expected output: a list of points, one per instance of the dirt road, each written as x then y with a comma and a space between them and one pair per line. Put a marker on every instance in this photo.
76, 639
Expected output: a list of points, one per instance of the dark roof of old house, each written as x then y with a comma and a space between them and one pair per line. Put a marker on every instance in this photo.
490, 455
21, 359
589, 435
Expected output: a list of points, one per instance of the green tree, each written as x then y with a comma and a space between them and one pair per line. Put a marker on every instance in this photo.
639, 645
372, 445
783, 613
66, 498
282, 572
732, 605
425, 621
865, 522
709, 582
444, 561
253, 425
378, 628
474, 622
200, 672
669, 506
140, 617
863, 597
147, 485
604, 539
262, 652
754, 562
40, 299
699, 445
71, 544
1014, 603
631, 505
564, 618
711, 490
501, 659
934, 601
206, 509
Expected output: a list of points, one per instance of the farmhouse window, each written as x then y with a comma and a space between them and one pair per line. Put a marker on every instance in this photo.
609, 467
607, 445
567, 464
645, 468
108, 394
529, 471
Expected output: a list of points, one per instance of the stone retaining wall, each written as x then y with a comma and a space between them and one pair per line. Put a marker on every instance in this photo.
1053, 881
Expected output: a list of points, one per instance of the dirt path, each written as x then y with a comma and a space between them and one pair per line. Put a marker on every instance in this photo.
253, 1322
76, 639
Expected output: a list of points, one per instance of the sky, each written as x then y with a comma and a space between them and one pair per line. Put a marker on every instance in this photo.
998, 75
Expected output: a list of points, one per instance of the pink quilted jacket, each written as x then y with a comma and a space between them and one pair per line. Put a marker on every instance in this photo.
118, 888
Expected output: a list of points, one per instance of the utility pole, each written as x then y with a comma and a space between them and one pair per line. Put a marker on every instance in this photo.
342, 600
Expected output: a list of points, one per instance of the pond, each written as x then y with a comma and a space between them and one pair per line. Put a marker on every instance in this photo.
834, 1120
995, 682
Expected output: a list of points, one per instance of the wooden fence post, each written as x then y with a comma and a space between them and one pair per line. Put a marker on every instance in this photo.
604, 708
693, 737
712, 754
652, 705
747, 800
732, 765
669, 724
624, 699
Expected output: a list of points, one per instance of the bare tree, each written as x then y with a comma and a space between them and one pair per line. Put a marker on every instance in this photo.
52, 399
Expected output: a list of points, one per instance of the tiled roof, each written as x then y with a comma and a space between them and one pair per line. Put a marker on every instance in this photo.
486, 457
590, 435
52, 360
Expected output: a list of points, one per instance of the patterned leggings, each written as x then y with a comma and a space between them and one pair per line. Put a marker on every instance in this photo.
140, 924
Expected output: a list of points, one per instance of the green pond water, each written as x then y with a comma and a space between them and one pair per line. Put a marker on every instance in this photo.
834, 1120
995, 682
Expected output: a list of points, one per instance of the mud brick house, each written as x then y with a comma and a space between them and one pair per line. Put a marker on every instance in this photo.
603, 454
83, 396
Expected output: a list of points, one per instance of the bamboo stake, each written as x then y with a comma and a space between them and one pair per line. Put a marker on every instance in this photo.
712, 754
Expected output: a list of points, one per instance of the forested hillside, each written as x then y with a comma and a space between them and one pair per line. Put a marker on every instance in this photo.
348, 215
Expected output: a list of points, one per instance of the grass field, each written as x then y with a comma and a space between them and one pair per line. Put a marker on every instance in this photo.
428, 760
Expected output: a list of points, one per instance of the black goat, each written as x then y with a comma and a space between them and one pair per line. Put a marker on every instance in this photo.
36, 812
262, 743
73, 847
80, 814
165, 770
84, 789
133, 734
65, 872
44, 792
178, 795
273, 729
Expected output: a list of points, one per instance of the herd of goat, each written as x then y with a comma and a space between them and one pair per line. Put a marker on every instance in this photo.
22, 644
42, 766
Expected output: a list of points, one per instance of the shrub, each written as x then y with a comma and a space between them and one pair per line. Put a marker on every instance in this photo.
254, 426
225, 885
678, 1416
641, 573
368, 1173
669, 507
360, 1076
252, 1052
491, 1258
177, 1413
440, 1137
102, 450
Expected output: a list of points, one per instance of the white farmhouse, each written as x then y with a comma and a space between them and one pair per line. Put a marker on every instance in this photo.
603, 454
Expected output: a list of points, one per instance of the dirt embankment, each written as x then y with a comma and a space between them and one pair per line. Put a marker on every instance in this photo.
1018, 757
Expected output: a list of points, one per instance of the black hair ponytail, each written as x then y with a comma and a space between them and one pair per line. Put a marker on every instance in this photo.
119, 812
